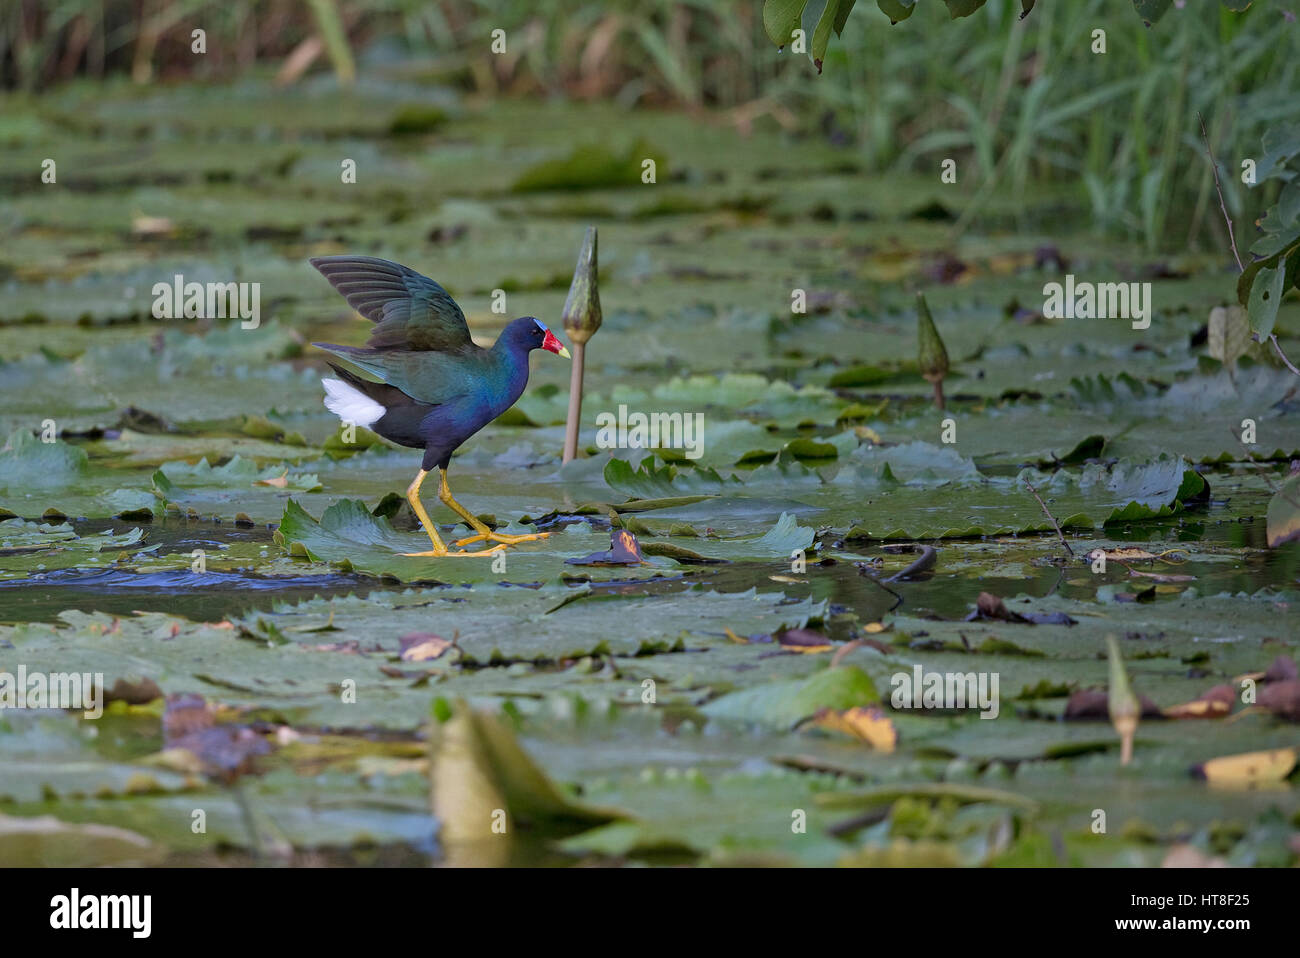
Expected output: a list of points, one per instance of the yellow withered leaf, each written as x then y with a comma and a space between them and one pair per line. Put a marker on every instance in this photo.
865, 723
421, 647
1249, 768
277, 482
1199, 708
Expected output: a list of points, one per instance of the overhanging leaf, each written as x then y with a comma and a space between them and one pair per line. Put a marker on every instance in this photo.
781, 18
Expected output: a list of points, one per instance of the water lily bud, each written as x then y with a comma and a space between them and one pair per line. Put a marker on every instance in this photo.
932, 356
582, 309
1124, 705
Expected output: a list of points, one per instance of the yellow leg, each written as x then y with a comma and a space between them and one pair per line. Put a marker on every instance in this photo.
482, 532
440, 549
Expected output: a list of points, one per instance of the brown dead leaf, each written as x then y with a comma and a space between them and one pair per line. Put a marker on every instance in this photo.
1280, 669
805, 641
133, 692
623, 550
1281, 698
990, 606
223, 752
1095, 704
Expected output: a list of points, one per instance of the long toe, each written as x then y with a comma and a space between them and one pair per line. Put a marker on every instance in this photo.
501, 538
448, 554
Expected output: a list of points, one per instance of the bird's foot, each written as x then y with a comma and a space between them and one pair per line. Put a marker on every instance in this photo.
449, 554
501, 539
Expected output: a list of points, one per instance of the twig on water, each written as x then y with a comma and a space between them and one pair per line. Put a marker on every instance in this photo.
1047, 512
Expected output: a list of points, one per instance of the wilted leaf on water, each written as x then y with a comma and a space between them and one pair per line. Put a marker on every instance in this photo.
422, 646
279, 482
135, 691
870, 725
1095, 704
623, 550
224, 751
1283, 515
1248, 769
806, 641
990, 606
1280, 669
485, 786
1281, 698
1215, 703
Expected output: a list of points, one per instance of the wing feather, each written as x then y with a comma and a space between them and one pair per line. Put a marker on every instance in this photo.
409, 311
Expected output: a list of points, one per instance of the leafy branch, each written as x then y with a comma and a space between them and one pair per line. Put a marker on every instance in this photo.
782, 19
1264, 282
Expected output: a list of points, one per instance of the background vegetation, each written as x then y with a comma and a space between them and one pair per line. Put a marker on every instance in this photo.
1017, 102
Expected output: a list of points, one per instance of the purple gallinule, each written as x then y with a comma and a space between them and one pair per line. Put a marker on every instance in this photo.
436, 387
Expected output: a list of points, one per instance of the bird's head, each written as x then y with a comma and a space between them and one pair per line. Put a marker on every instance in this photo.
531, 333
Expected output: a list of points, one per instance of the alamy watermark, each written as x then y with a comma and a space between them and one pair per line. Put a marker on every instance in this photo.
946, 690
53, 690
658, 430
1098, 301
181, 300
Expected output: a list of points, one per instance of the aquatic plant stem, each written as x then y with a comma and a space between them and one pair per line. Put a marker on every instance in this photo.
575, 402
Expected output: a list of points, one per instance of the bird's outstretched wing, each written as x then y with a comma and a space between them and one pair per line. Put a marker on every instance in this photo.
409, 311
